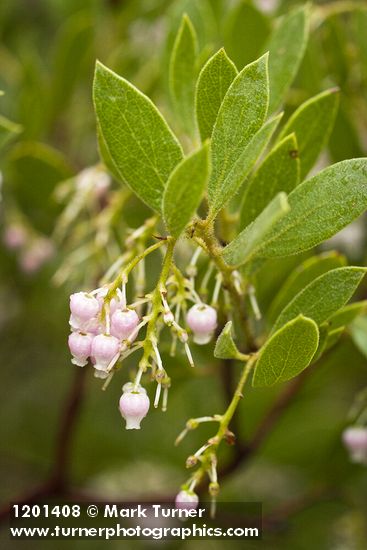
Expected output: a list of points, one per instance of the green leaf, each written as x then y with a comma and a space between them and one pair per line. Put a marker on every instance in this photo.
320, 207
287, 353
324, 296
240, 116
359, 334
323, 337
286, 47
225, 348
244, 247
182, 74
278, 172
138, 140
312, 123
105, 155
300, 277
333, 338
328, 339
185, 189
346, 315
245, 32
331, 330
345, 142
213, 83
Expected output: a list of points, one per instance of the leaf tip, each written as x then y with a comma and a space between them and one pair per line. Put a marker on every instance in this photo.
186, 23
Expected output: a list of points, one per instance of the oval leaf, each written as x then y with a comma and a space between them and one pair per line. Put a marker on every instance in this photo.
240, 116
312, 123
286, 47
245, 245
287, 353
278, 172
182, 74
359, 334
300, 277
213, 82
324, 296
138, 140
184, 191
346, 315
320, 207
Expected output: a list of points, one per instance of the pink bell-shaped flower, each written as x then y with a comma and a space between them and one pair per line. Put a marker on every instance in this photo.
202, 319
80, 346
105, 349
134, 406
83, 308
187, 500
123, 323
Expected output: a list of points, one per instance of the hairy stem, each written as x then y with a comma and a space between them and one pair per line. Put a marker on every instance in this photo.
224, 422
130, 266
228, 415
157, 303
207, 240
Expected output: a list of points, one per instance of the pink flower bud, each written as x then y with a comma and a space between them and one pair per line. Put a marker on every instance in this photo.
83, 307
104, 349
15, 236
80, 347
202, 319
134, 407
187, 500
355, 440
123, 323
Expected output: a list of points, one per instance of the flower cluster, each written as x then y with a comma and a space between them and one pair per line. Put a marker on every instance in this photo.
99, 335
104, 330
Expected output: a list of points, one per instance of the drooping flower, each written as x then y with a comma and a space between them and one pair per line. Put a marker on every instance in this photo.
123, 323
105, 349
187, 500
80, 346
134, 406
83, 308
202, 319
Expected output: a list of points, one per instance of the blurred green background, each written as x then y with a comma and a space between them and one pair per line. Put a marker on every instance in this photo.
47, 54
